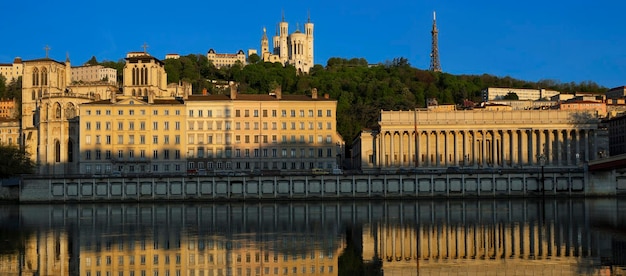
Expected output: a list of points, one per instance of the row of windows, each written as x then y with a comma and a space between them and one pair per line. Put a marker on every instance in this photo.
255, 113
225, 271
130, 112
201, 152
131, 139
256, 139
274, 165
131, 125
130, 155
106, 168
199, 125
199, 139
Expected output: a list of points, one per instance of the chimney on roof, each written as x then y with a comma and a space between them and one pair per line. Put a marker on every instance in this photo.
204, 91
233, 91
113, 95
278, 92
314, 93
326, 96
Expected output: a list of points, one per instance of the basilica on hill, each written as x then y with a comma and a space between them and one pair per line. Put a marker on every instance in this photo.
295, 48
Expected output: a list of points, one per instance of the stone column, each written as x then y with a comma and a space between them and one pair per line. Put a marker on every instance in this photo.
483, 148
523, 148
401, 148
569, 147
436, 160
456, 151
548, 149
391, 148
515, 159
427, 148
506, 148
559, 146
465, 156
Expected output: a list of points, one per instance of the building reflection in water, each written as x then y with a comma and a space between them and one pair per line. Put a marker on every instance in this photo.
565, 237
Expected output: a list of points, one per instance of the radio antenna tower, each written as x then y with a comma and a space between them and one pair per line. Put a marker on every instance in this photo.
434, 52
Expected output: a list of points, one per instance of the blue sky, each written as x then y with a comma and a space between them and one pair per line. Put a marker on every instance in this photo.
529, 40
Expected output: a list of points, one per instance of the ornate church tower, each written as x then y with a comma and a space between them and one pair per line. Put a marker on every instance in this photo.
283, 34
308, 28
434, 54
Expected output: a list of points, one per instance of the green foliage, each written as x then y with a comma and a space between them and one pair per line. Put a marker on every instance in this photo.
92, 61
14, 161
361, 89
511, 96
254, 58
3, 87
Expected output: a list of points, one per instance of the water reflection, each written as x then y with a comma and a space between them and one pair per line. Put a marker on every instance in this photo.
565, 237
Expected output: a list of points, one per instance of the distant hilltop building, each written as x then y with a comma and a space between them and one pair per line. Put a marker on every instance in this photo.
94, 73
12, 71
226, 60
172, 56
295, 49
495, 93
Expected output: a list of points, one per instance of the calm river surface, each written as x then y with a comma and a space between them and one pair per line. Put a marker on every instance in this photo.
421, 237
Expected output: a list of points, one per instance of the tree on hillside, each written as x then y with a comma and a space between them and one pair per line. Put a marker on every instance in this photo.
92, 61
14, 161
3, 87
511, 96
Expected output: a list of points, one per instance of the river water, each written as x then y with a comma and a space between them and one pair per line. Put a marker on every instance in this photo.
416, 237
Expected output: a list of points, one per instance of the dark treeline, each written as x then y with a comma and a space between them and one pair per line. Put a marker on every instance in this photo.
361, 89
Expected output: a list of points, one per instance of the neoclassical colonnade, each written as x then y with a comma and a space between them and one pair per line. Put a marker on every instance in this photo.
486, 148
483, 143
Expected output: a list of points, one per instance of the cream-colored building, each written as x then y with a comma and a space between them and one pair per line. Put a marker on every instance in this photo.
226, 60
94, 73
172, 56
498, 93
12, 71
294, 49
9, 131
479, 139
275, 132
132, 136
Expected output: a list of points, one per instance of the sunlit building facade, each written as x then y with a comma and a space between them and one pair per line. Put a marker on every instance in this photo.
9, 131
271, 132
132, 135
479, 139
12, 71
94, 73
221, 60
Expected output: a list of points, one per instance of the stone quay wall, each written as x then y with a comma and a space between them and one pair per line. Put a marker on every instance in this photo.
309, 187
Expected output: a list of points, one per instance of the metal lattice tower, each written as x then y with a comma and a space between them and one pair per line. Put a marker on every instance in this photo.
434, 52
